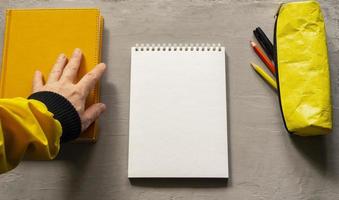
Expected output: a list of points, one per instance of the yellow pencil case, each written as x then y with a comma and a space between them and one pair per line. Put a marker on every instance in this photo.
302, 68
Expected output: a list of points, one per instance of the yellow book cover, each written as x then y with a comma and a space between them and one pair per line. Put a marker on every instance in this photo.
35, 37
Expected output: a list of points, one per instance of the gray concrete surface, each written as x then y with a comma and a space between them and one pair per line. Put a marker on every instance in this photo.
265, 162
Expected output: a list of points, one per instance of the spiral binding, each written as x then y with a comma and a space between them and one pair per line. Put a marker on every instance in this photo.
178, 47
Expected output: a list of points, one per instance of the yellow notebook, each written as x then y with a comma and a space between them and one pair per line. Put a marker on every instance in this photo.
35, 37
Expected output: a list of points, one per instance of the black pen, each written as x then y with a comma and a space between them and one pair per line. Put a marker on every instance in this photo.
264, 42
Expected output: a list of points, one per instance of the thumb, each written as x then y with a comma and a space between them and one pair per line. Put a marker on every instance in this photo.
37, 81
91, 114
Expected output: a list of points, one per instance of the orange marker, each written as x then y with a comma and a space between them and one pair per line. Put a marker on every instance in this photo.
263, 57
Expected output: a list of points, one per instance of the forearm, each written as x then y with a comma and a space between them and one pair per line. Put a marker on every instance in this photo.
26, 128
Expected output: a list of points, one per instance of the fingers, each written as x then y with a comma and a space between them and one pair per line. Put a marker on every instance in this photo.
71, 70
91, 114
87, 83
37, 81
57, 69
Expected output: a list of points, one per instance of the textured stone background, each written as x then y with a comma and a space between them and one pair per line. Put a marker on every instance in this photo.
265, 162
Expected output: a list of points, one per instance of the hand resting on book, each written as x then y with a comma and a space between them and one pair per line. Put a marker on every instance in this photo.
62, 79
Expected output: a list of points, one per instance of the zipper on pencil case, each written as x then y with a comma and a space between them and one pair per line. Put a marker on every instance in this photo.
275, 55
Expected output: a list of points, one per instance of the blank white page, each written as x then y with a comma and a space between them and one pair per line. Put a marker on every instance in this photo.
178, 120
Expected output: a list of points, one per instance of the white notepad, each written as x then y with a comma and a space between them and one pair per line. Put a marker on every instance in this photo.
178, 117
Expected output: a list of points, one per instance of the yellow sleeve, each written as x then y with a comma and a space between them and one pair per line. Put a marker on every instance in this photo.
27, 129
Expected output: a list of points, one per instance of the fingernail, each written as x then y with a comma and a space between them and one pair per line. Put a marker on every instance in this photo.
103, 106
103, 65
76, 52
62, 56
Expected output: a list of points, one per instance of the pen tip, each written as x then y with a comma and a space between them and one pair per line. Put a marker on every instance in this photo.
252, 65
252, 43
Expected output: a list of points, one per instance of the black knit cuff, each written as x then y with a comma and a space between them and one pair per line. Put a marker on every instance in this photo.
63, 111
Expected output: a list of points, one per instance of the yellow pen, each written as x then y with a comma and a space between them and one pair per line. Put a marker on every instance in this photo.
265, 76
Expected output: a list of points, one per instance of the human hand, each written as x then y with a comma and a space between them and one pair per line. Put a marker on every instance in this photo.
62, 79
